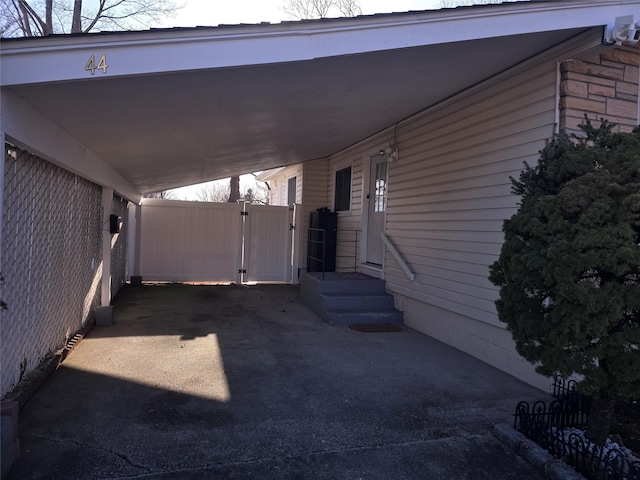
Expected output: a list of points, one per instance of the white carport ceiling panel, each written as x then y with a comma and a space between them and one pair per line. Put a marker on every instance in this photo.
166, 130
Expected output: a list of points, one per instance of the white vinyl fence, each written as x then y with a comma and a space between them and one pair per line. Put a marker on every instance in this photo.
216, 242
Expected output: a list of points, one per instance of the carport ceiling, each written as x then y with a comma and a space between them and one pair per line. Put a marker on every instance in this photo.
180, 126
176, 129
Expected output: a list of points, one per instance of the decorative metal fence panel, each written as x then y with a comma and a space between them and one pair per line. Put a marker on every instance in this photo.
559, 426
51, 260
537, 420
119, 207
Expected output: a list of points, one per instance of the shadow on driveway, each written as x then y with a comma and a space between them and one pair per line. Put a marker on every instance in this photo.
234, 382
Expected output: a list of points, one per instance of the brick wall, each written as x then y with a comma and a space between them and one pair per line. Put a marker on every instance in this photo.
605, 86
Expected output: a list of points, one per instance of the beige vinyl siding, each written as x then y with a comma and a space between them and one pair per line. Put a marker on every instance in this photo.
349, 222
314, 196
293, 171
450, 192
274, 198
350, 226
299, 183
280, 186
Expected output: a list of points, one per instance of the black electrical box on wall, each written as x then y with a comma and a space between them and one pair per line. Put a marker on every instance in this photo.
322, 220
114, 223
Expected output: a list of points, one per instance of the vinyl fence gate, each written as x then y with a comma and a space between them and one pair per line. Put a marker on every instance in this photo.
184, 241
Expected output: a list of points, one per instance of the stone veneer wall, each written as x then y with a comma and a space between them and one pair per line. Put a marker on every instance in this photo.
604, 86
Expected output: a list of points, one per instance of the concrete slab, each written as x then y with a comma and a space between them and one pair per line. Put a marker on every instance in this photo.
245, 382
104, 316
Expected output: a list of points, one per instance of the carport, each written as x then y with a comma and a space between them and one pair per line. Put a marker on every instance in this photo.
101, 119
93, 122
175, 107
141, 112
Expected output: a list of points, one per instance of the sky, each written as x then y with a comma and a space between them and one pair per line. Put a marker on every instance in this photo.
214, 12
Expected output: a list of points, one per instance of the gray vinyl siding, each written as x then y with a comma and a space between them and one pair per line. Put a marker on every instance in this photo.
450, 192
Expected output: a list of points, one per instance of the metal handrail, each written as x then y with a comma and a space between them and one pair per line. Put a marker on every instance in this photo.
323, 242
392, 248
355, 248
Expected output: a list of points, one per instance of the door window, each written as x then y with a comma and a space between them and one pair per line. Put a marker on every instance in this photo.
380, 187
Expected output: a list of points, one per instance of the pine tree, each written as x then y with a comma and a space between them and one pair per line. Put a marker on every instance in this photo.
569, 269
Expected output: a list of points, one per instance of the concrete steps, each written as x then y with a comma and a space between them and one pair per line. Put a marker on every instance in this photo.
349, 298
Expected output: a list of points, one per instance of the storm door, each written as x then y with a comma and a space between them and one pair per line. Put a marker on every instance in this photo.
377, 197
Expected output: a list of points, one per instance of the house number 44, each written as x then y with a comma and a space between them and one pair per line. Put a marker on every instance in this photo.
101, 65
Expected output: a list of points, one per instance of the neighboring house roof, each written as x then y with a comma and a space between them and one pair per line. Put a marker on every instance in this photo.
181, 106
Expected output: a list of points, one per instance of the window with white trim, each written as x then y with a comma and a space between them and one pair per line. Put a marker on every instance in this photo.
291, 191
342, 198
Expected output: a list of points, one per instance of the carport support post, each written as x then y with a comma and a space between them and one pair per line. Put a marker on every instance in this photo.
133, 241
104, 313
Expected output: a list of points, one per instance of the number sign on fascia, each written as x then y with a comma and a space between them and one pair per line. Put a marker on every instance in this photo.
102, 64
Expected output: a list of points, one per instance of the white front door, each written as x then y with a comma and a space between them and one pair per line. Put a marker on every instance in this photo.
377, 197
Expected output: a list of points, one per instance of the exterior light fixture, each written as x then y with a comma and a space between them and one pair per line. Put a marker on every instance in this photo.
391, 153
624, 31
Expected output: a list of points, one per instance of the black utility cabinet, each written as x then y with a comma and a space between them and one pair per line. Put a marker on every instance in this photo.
327, 221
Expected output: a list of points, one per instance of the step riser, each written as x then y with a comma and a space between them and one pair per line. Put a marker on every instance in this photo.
342, 318
366, 303
346, 301
353, 287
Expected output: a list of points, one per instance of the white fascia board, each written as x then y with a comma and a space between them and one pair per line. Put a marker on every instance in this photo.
23, 126
269, 174
141, 53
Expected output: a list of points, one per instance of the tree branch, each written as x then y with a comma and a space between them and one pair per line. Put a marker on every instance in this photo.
307, 9
96, 17
73, 16
29, 13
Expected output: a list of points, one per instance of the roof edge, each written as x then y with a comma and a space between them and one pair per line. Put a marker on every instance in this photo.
65, 58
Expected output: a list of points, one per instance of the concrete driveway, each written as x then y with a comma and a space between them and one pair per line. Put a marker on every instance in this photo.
236, 382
